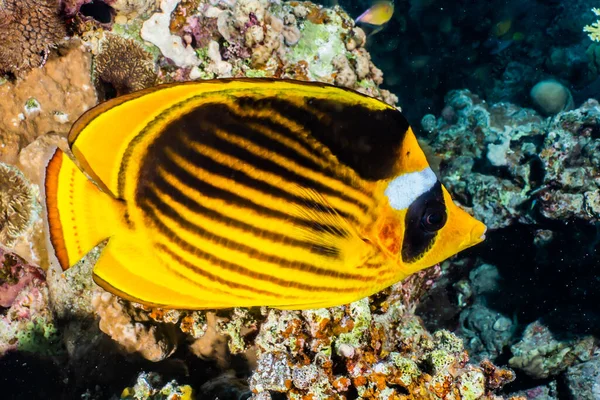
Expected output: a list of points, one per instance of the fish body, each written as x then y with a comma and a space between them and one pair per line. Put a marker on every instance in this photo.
378, 14
248, 192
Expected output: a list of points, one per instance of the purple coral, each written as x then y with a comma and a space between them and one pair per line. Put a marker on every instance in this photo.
16, 274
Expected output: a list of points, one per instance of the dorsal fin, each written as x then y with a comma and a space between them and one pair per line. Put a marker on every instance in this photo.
363, 133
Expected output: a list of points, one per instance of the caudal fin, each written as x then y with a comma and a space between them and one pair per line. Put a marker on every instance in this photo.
79, 215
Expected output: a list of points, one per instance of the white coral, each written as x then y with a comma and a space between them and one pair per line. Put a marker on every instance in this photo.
156, 31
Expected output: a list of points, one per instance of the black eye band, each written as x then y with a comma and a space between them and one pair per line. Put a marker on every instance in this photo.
425, 216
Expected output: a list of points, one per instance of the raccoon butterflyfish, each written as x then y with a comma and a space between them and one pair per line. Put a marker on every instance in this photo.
248, 192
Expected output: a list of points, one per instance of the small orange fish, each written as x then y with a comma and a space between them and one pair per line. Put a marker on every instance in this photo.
378, 14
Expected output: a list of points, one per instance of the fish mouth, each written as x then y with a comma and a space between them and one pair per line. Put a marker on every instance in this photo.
478, 233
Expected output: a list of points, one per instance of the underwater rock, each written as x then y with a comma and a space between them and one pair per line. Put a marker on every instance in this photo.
29, 29
156, 31
583, 380
540, 355
151, 342
62, 90
542, 392
486, 332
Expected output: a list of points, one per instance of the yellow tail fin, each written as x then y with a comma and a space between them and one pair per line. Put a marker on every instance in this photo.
79, 215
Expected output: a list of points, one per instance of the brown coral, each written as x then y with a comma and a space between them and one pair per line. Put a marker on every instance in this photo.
124, 65
28, 28
16, 204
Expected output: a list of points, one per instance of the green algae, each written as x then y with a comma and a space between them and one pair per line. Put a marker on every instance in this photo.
318, 46
32, 105
407, 368
132, 31
38, 336
256, 73
361, 314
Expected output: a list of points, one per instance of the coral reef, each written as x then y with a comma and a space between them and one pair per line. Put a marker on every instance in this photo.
29, 29
385, 353
486, 332
26, 321
510, 166
548, 166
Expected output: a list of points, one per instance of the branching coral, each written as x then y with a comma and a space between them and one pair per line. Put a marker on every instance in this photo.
124, 65
593, 30
28, 28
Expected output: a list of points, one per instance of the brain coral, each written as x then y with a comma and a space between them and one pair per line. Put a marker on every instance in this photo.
28, 28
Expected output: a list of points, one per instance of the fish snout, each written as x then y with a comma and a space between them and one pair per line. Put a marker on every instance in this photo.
478, 232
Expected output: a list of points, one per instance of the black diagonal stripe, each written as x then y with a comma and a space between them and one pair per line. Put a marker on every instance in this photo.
185, 201
211, 166
296, 137
364, 139
199, 126
207, 189
231, 244
235, 268
299, 139
207, 275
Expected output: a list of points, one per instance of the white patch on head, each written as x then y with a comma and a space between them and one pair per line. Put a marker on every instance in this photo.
405, 189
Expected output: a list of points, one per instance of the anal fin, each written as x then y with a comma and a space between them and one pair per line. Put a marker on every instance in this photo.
131, 271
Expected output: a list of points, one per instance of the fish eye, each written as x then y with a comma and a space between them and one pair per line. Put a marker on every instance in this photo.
433, 219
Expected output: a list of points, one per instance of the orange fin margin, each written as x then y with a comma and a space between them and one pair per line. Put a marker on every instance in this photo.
54, 223
79, 214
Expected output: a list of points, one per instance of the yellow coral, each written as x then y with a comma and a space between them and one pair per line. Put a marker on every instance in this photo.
593, 30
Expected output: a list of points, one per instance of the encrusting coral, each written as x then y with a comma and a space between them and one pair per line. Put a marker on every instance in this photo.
62, 89
29, 29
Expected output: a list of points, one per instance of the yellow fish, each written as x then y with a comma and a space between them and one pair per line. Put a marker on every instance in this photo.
248, 192
378, 14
